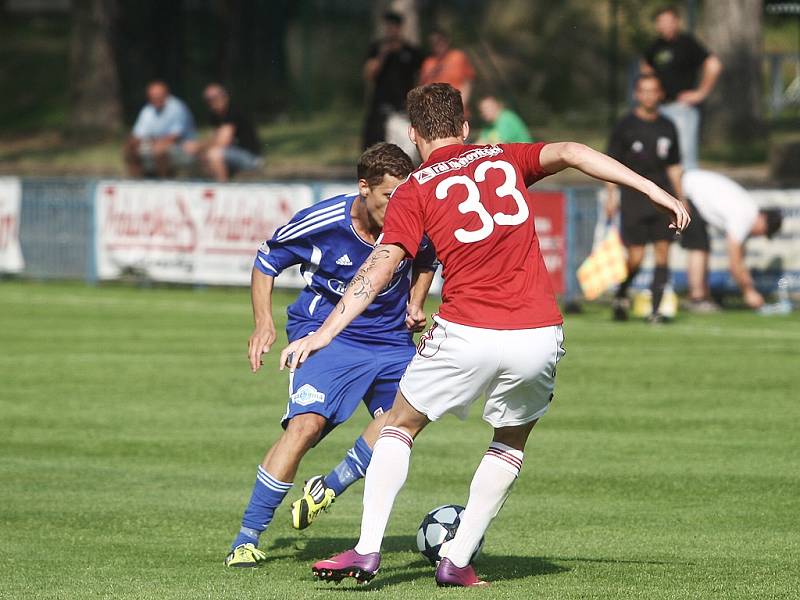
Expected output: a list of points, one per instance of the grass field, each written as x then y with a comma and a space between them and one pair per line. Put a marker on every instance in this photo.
130, 427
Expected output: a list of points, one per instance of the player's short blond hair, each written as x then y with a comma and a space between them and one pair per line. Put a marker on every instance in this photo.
383, 159
436, 111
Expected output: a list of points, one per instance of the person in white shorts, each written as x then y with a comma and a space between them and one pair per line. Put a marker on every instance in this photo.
718, 201
450, 371
498, 332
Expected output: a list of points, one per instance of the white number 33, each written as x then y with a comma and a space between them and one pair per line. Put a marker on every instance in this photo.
473, 203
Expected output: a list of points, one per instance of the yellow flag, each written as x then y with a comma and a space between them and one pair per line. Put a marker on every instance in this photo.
604, 267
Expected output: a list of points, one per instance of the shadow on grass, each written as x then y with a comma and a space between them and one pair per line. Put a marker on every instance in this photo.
493, 567
618, 561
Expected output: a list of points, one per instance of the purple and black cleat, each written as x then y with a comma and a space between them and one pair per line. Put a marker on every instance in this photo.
449, 575
361, 567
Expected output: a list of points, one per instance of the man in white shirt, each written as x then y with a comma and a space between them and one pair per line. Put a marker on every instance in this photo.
722, 203
163, 136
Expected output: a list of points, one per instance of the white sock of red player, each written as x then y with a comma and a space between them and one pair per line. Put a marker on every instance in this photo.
386, 474
490, 487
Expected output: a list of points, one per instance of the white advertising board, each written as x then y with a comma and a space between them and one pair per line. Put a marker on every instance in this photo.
10, 250
191, 232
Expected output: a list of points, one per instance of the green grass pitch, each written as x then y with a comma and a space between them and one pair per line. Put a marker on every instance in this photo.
130, 428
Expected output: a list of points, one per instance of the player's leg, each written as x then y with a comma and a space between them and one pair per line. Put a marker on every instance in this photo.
520, 395
319, 492
391, 363
490, 487
621, 303
350, 370
319, 399
385, 477
441, 378
697, 275
388, 470
696, 241
273, 481
633, 234
660, 273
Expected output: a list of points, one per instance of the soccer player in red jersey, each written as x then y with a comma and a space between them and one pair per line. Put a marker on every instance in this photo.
498, 331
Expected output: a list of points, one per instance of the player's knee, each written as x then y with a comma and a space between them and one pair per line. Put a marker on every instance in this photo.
515, 436
215, 154
305, 430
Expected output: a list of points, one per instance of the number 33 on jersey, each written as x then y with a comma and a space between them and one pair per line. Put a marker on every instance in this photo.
473, 203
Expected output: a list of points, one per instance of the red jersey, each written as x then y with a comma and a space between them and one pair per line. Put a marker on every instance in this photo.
473, 204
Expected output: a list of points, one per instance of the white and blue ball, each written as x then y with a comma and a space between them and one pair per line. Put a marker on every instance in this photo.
437, 530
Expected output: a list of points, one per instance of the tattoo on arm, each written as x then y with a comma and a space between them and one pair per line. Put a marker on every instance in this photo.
377, 255
361, 284
341, 306
362, 287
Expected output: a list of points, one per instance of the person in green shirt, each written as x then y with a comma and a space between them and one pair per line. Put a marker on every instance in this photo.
505, 125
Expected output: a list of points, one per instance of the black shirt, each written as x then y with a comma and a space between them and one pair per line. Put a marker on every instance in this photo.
397, 75
676, 63
648, 148
244, 134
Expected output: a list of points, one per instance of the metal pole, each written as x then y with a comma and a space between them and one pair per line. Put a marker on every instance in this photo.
613, 61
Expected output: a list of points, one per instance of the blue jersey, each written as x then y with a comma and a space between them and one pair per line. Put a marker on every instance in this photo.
323, 241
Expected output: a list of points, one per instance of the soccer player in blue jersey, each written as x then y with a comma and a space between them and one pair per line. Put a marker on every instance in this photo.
330, 240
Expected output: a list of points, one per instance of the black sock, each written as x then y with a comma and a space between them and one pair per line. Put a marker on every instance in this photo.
622, 290
660, 278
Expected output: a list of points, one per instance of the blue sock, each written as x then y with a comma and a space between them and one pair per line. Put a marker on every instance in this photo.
351, 469
267, 494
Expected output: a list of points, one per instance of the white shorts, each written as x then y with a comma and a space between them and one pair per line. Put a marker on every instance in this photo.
456, 364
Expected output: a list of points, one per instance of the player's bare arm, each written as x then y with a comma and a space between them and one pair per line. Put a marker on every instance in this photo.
558, 156
421, 280
372, 277
741, 274
263, 335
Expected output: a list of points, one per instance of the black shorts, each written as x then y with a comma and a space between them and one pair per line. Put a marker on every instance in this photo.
641, 227
695, 236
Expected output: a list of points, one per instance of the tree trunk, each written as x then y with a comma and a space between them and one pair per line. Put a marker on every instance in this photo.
94, 88
733, 31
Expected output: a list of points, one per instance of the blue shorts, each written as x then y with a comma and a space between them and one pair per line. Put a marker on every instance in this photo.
333, 381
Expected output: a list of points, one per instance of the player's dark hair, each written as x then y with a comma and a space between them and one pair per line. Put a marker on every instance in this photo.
436, 111
383, 159
774, 218
669, 8
395, 18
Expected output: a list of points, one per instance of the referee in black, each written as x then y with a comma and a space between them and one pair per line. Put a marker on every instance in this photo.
647, 143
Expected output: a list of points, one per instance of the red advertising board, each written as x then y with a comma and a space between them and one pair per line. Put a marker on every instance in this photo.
548, 210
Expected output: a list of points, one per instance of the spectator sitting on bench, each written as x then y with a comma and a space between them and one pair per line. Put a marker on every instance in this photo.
234, 146
163, 137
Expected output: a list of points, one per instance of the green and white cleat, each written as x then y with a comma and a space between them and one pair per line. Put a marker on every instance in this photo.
317, 497
245, 556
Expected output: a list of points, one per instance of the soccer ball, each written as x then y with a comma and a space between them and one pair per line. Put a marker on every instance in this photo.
436, 531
